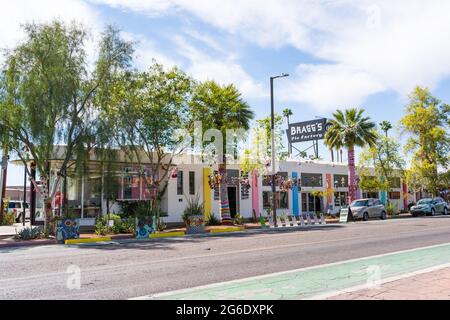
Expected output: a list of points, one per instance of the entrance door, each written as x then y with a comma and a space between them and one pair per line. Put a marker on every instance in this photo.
232, 199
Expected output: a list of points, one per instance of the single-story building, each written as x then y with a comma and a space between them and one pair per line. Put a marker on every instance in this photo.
322, 187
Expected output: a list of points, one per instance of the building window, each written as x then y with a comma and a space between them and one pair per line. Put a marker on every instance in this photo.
370, 195
180, 183
394, 195
267, 179
312, 180
340, 181
128, 187
245, 194
191, 182
340, 199
282, 200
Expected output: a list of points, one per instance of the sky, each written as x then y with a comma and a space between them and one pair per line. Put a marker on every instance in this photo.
339, 54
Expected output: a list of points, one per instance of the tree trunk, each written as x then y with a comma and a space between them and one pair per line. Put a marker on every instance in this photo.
351, 175
225, 216
47, 200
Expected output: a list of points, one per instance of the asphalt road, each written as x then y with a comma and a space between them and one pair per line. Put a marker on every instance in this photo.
128, 270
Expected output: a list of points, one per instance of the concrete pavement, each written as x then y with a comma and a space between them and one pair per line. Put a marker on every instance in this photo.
431, 285
134, 269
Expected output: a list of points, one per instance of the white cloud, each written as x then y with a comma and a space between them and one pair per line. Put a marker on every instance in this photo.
327, 87
370, 45
13, 14
146, 50
224, 70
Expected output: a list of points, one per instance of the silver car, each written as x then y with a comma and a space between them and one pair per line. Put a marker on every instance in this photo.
368, 208
430, 207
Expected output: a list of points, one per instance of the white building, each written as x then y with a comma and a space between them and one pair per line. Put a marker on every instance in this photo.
321, 186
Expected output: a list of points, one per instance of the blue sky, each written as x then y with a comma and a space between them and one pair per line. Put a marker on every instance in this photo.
339, 53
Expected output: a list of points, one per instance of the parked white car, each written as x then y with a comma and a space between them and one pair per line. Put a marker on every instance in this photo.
17, 208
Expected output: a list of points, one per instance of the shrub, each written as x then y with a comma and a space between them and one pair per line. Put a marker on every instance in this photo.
238, 219
101, 228
30, 233
212, 220
121, 225
391, 209
9, 219
193, 208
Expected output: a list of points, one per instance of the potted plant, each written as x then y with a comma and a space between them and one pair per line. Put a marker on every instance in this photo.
193, 216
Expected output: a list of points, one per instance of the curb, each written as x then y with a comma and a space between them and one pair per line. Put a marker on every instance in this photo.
167, 235
226, 230
32, 243
91, 240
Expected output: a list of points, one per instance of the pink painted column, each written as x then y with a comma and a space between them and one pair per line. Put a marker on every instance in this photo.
405, 196
255, 193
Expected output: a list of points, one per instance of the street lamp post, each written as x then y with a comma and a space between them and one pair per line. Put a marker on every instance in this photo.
272, 127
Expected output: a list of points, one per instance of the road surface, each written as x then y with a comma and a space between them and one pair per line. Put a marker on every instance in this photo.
137, 269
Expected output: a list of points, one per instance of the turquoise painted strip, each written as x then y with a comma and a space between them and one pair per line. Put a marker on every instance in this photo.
383, 197
316, 281
295, 207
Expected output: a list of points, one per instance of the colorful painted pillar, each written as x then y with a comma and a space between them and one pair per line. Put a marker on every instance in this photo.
255, 193
383, 197
207, 202
405, 196
329, 190
295, 195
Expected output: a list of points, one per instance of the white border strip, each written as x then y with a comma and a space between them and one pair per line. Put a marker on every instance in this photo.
381, 282
214, 285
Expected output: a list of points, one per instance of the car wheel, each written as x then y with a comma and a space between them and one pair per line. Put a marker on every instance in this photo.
366, 216
383, 215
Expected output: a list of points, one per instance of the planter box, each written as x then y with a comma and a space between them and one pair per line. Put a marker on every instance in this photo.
195, 225
144, 227
67, 229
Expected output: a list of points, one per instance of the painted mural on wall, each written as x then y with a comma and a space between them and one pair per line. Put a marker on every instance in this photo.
68, 229
145, 227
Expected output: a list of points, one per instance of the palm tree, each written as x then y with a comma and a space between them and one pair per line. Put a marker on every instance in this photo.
222, 108
386, 126
349, 129
287, 113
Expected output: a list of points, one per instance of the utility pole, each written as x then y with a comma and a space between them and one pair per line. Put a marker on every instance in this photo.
4, 166
272, 127
33, 193
24, 216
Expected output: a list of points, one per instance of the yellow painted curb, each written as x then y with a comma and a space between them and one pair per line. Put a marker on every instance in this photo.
91, 240
166, 235
235, 229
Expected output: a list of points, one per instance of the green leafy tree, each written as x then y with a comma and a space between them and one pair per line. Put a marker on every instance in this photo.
426, 125
350, 128
147, 108
259, 156
50, 90
380, 163
221, 108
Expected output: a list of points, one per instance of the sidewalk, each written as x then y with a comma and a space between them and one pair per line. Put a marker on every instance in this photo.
434, 285
8, 231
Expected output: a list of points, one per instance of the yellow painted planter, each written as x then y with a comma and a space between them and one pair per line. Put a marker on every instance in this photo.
225, 230
90, 240
167, 235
